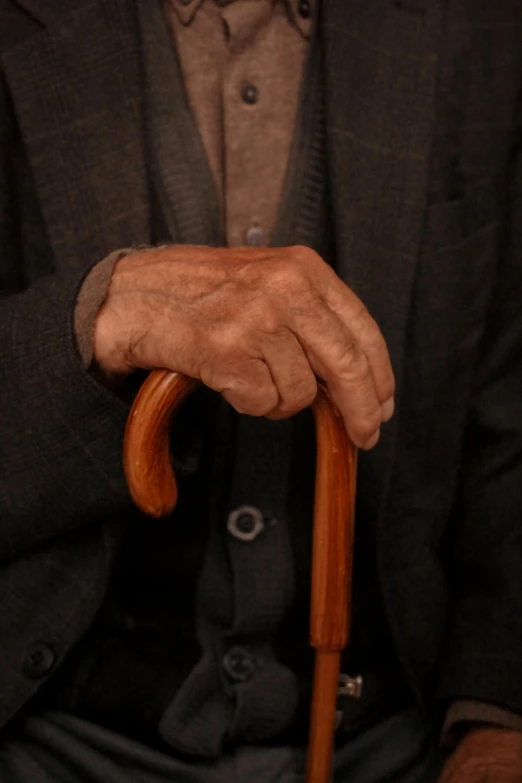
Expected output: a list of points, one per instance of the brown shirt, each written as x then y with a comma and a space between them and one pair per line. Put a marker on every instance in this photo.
242, 65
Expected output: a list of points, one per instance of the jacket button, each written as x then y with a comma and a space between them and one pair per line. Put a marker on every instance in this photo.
239, 665
38, 660
245, 523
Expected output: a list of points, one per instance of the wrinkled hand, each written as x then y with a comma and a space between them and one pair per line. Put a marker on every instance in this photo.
486, 755
256, 324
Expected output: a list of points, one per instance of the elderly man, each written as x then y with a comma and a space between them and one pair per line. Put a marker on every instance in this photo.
258, 193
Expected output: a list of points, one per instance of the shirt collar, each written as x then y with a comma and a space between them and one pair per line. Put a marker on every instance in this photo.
187, 10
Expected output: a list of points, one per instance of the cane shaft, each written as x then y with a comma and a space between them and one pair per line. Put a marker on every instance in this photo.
322, 719
332, 557
153, 488
333, 528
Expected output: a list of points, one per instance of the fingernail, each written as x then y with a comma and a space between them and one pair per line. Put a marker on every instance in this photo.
372, 442
387, 409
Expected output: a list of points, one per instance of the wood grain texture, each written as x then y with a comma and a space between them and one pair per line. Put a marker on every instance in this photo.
152, 484
333, 527
332, 560
146, 454
322, 716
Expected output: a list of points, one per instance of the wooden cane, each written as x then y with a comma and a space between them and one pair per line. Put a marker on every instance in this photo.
152, 485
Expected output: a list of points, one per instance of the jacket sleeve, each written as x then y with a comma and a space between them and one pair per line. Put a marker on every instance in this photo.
61, 432
483, 653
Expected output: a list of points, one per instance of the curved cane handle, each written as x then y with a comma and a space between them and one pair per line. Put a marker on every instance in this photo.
153, 488
146, 455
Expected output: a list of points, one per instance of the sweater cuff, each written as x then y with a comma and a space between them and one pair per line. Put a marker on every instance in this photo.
89, 301
464, 712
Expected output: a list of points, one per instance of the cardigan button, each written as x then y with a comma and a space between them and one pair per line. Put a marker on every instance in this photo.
245, 523
38, 660
249, 93
255, 236
239, 665
304, 8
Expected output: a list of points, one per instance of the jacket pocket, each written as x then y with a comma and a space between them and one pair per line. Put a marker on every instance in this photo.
454, 223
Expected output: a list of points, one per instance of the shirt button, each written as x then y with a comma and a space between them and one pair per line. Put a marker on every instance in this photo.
245, 523
38, 660
249, 93
304, 8
239, 665
255, 236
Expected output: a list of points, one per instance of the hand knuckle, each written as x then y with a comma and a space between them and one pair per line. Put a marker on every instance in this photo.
354, 366
305, 255
307, 393
362, 314
266, 319
287, 276
301, 395
249, 389
260, 405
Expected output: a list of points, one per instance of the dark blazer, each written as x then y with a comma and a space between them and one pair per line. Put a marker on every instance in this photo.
423, 128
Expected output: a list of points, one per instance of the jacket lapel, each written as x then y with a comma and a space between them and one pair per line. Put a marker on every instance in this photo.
380, 71
77, 92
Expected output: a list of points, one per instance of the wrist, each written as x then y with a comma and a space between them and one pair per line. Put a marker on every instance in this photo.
485, 751
110, 359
